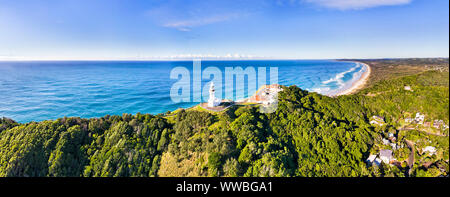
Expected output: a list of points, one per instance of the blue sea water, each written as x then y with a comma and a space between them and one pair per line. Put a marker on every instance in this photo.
40, 90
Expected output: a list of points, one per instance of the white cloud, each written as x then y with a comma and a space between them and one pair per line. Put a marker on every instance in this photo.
10, 57
187, 16
235, 56
357, 4
190, 56
187, 25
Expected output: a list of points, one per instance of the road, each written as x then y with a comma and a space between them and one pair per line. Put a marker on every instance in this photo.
411, 155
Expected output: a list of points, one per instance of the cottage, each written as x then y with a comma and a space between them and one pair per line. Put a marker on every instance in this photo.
408, 88
377, 161
419, 118
385, 141
386, 156
427, 124
268, 94
430, 149
377, 120
409, 120
371, 158
374, 122
271, 94
438, 123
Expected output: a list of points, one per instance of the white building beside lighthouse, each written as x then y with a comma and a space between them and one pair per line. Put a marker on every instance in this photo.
213, 101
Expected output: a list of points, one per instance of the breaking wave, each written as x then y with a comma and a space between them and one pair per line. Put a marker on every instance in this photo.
339, 77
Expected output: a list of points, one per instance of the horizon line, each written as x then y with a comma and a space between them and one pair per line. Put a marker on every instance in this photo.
219, 59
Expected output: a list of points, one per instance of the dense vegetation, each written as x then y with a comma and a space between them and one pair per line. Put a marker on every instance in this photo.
308, 135
384, 69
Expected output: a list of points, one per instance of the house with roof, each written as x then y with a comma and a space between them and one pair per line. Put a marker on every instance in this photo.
430, 149
419, 118
444, 126
386, 156
409, 120
266, 95
371, 158
377, 161
377, 120
438, 123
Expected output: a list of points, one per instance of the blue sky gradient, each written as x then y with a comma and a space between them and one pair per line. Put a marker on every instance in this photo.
250, 29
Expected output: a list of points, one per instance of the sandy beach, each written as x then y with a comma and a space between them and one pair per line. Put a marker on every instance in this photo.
359, 84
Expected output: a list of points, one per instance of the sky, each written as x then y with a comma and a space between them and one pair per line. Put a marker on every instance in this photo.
225, 29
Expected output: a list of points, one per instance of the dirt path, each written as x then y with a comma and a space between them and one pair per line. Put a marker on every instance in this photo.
410, 161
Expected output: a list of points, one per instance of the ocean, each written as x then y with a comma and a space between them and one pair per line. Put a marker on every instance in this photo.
41, 90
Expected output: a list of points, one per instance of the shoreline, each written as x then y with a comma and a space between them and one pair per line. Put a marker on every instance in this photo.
357, 85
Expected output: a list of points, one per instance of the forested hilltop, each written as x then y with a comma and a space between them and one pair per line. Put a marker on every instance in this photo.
309, 135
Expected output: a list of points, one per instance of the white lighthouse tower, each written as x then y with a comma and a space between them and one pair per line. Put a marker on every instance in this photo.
213, 101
